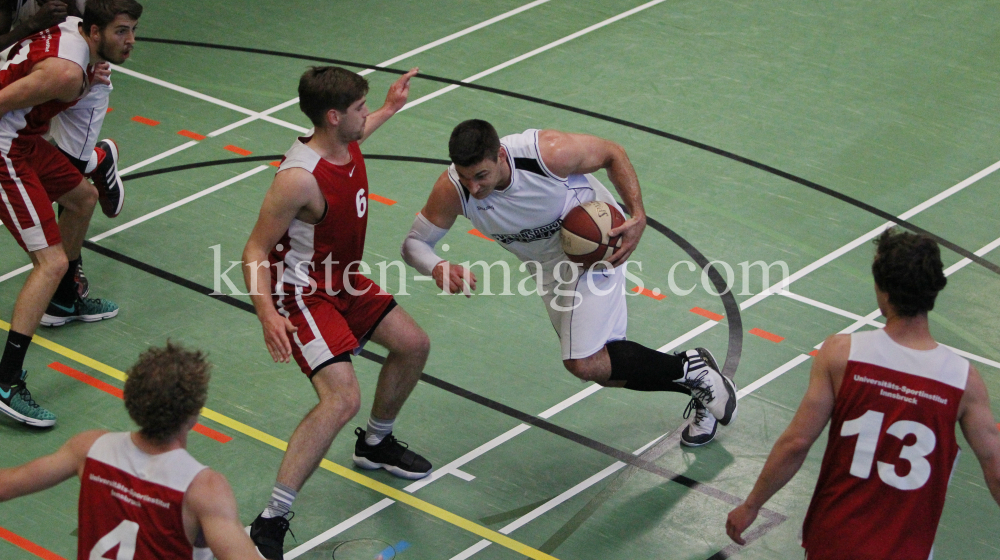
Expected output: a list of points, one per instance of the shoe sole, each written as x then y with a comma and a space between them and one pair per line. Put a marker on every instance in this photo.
729, 415
33, 422
53, 321
692, 443
371, 466
121, 186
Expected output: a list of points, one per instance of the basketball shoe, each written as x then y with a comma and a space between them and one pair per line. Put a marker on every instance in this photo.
268, 535
713, 390
16, 402
87, 310
392, 455
109, 185
702, 428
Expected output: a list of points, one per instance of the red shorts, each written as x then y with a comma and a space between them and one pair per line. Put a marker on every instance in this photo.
330, 326
33, 175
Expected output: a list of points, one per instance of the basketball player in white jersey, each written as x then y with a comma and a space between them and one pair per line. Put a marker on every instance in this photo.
517, 190
141, 492
894, 397
76, 130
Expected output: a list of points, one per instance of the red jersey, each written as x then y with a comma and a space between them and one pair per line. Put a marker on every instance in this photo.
131, 502
316, 256
890, 454
62, 41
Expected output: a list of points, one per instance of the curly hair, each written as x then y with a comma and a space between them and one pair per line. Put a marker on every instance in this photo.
165, 389
908, 268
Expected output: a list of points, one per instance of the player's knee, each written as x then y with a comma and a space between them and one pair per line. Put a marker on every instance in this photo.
579, 368
416, 344
53, 263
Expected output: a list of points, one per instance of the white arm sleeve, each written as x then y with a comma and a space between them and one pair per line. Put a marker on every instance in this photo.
418, 247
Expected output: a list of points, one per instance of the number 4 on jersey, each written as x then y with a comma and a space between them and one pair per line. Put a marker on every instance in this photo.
124, 536
868, 427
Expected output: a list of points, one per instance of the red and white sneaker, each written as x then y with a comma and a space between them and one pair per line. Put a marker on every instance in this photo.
105, 176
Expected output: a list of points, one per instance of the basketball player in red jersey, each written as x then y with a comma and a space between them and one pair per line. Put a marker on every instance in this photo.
141, 493
302, 262
46, 74
894, 396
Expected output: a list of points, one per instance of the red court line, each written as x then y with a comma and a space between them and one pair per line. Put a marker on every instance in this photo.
192, 135
706, 313
766, 335
478, 233
649, 293
144, 120
237, 150
382, 199
109, 109
28, 545
115, 391
814, 353
276, 163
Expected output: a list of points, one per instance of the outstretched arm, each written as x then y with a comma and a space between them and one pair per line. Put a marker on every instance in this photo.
791, 449
52, 12
399, 91
569, 154
48, 471
209, 505
980, 429
432, 223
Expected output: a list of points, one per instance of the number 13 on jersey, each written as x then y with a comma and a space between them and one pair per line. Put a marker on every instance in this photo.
868, 428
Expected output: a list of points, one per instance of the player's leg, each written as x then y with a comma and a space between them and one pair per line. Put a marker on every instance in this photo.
78, 198
408, 347
76, 131
31, 221
339, 401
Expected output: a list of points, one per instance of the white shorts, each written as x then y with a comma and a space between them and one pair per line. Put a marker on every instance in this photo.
76, 129
588, 313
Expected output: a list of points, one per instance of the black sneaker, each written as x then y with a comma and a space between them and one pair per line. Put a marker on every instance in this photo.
105, 176
702, 428
268, 535
392, 455
715, 391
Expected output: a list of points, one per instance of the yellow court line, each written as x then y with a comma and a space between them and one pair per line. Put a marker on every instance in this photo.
384, 489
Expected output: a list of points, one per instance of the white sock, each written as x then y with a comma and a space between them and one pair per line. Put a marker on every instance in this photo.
377, 430
281, 501
92, 162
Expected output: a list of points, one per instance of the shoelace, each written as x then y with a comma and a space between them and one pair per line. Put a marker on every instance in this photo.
282, 523
27, 398
700, 389
700, 412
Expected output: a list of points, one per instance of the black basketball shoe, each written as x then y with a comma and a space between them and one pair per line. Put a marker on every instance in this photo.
392, 455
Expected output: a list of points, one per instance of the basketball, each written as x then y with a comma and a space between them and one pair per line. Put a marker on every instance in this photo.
585, 230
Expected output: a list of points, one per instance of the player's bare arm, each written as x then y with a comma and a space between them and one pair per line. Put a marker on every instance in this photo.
294, 194
399, 91
48, 471
50, 13
210, 508
980, 430
793, 445
52, 78
569, 154
435, 219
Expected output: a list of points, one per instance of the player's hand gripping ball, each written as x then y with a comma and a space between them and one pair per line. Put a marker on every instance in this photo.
584, 234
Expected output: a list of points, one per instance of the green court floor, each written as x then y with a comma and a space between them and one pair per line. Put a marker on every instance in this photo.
759, 131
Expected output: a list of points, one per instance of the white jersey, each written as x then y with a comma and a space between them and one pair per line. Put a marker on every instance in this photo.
526, 216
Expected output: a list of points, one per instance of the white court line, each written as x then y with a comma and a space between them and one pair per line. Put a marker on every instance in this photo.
180, 202
553, 503
157, 157
530, 54
339, 528
859, 322
265, 114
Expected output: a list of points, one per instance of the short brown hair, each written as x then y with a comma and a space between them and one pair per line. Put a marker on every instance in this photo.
322, 88
908, 268
165, 389
103, 12
473, 141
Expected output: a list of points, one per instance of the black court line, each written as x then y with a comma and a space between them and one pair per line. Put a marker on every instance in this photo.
458, 391
608, 118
